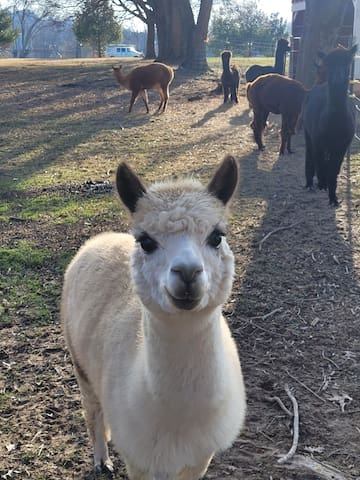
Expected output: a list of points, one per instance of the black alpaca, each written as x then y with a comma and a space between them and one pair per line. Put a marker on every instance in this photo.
230, 78
255, 71
329, 122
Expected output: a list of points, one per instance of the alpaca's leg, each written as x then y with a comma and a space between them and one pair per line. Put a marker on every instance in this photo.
164, 97
194, 473
134, 94
335, 161
144, 96
332, 184
291, 127
309, 163
98, 429
226, 92
265, 116
234, 95
287, 129
321, 169
283, 135
257, 127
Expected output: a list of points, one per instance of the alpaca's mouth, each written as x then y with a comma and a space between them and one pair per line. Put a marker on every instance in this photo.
187, 302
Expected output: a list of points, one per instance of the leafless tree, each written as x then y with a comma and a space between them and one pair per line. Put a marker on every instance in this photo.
29, 16
143, 10
181, 37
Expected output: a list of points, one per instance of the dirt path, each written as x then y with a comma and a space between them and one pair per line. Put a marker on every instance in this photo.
295, 305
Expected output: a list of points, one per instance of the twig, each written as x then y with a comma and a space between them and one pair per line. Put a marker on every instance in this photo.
295, 442
322, 470
306, 387
275, 231
265, 329
282, 406
267, 315
329, 360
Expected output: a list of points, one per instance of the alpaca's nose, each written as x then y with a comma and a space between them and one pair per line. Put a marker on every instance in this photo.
188, 272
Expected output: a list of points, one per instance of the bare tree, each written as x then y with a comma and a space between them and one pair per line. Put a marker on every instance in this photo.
143, 10
28, 18
323, 19
181, 38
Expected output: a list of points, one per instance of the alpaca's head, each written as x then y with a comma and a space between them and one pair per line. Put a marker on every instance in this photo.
283, 45
181, 261
226, 54
337, 64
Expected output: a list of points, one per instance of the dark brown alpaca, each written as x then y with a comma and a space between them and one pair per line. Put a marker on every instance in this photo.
329, 122
255, 71
230, 78
280, 95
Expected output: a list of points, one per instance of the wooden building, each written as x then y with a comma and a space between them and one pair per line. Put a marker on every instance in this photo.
349, 33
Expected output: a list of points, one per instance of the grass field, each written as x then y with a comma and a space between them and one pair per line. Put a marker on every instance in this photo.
294, 310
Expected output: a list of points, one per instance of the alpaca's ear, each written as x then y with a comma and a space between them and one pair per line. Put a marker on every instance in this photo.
129, 187
224, 182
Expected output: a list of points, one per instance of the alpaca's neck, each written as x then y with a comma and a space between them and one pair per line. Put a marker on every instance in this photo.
123, 79
226, 64
279, 66
184, 358
337, 97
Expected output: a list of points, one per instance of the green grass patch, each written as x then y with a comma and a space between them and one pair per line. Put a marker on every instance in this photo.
5, 401
58, 208
29, 289
22, 257
242, 62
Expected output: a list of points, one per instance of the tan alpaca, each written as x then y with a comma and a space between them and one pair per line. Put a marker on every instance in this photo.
157, 366
155, 76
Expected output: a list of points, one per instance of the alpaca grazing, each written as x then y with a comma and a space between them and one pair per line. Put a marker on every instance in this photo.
329, 122
280, 95
230, 78
255, 71
157, 367
155, 76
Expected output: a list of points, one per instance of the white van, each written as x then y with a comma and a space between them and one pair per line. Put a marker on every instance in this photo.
122, 50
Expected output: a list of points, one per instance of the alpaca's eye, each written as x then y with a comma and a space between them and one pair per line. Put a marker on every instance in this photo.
214, 238
147, 243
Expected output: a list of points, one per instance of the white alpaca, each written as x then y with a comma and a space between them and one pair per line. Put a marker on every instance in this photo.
154, 357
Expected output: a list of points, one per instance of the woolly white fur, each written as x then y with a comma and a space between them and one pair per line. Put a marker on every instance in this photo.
166, 382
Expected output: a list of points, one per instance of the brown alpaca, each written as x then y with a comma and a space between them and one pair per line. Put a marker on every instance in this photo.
155, 76
280, 95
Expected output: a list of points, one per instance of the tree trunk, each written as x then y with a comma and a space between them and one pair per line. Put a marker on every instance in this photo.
196, 55
150, 39
174, 24
181, 41
323, 18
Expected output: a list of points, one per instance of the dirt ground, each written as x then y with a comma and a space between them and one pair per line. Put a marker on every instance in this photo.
294, 310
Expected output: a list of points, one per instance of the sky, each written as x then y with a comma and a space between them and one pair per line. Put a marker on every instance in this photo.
281, 6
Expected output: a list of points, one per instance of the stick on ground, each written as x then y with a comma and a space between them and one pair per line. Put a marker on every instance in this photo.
295, 442
275, 231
